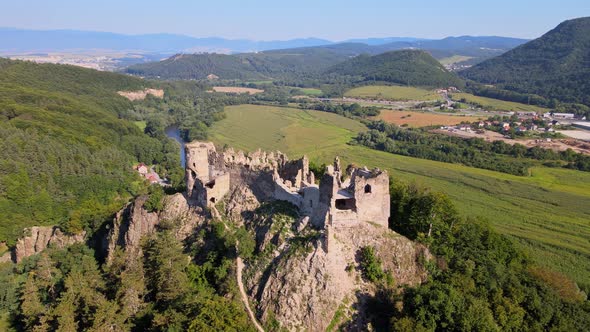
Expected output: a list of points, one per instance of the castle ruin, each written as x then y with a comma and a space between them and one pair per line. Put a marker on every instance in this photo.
342, 198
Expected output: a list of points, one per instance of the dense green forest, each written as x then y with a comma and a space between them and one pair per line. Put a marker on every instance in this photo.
67, 290
245, 67
478, 281
67, 156
70, 142
409, 67
555, 66
497, 156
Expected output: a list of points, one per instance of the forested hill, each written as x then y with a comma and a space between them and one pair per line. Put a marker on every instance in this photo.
198, 66
555, 66
66, 154
409, 67
247, 66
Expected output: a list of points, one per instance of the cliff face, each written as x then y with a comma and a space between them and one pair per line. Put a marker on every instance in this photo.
134, 222
303, 288
39, 238
300, 276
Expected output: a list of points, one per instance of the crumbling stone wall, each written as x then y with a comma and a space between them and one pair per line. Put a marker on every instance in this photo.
362, 197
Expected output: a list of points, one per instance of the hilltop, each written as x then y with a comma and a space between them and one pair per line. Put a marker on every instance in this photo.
314, 60
554, 66
409, 67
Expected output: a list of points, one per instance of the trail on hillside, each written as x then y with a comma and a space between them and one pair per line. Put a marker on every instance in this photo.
240, 266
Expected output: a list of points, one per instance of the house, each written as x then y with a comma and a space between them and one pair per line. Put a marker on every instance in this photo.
533, 127
520, 129
152, 178
480, 124
141, 168
505, 126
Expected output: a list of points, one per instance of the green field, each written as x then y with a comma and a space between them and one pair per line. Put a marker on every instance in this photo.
546, 213
392, 93
312, 92
498, 104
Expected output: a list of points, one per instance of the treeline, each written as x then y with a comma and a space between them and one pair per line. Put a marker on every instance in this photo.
168, 288
353, 110
498, 156
478, 280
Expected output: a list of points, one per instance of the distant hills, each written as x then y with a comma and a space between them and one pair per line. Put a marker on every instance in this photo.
407, 67
20, 41
313, 59
554, 66
31, 41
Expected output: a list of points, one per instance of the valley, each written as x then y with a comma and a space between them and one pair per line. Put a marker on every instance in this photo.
544, 213
266, 182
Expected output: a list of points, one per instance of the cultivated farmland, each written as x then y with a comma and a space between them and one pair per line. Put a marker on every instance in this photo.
421, 119
393, 93
545, 213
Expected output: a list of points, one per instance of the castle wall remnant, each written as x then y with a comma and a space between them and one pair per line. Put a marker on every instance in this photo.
342, 199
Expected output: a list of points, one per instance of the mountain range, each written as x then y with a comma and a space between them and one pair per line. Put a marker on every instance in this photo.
31, 41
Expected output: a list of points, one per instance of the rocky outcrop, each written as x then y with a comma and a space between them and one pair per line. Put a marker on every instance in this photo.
303, 288
39, 238
134, 222
141, 94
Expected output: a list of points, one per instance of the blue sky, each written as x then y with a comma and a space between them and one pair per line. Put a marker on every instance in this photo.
275, 19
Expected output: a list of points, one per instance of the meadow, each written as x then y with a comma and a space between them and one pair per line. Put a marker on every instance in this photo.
546, 213
497, 104
393, 93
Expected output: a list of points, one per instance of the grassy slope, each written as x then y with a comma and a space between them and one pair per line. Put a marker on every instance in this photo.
546, 213
392, 93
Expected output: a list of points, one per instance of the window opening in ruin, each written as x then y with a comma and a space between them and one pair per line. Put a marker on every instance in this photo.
212, 200
368, 189
310, 203
210, 185
194, 175
345, 204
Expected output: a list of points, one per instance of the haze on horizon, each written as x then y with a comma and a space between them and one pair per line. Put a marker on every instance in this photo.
272, 20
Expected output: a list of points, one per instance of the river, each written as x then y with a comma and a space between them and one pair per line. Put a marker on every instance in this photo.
174, 133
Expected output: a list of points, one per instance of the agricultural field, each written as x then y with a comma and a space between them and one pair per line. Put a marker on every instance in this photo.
311, 92
238, 90
422, 119
497, 104
545, 213
393, 93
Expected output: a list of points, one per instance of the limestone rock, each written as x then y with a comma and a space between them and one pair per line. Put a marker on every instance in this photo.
134, 222
39, 238
303, 291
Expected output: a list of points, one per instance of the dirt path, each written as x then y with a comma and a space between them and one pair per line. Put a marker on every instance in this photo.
244, 296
